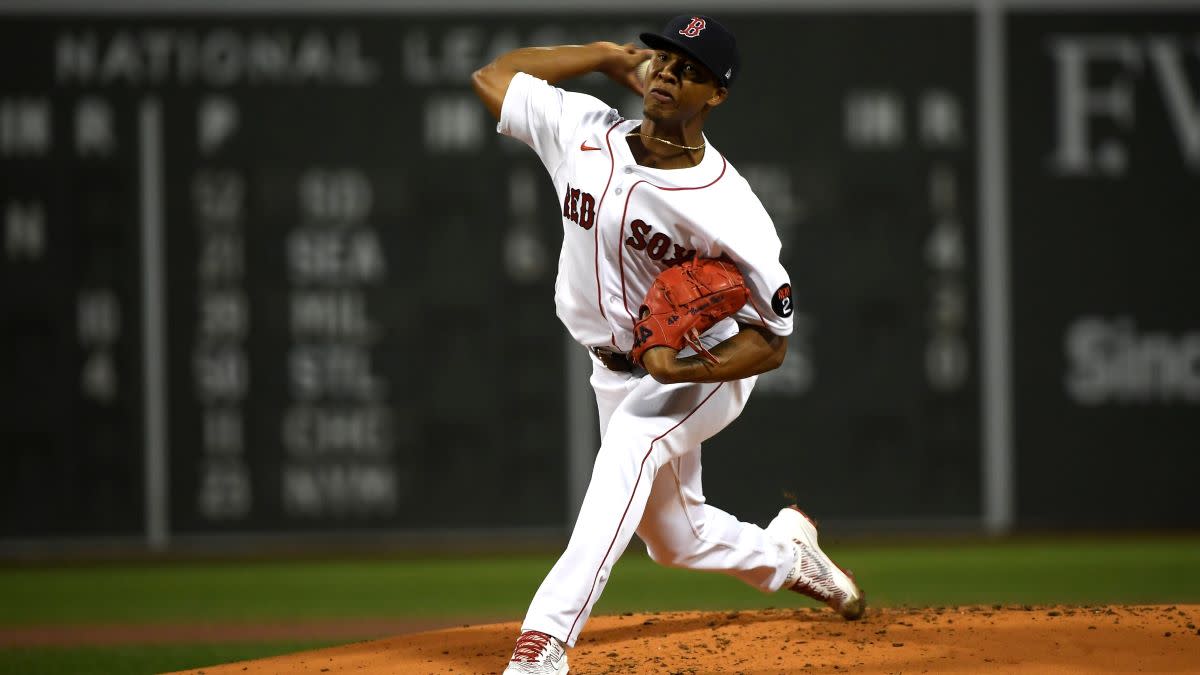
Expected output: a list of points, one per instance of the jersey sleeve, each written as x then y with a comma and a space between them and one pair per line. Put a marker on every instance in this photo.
547, 118
754, 247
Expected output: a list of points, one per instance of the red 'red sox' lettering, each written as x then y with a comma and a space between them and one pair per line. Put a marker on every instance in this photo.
656, 245
579, 207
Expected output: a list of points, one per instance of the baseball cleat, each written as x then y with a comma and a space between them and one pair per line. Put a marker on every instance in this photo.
813, 573
537, 654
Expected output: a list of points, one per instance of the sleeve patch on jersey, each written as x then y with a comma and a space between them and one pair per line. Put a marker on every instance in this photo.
781, 301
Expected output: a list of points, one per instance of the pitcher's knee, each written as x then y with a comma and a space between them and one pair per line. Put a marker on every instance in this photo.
633, 449
638, 437
674, 551
667, 557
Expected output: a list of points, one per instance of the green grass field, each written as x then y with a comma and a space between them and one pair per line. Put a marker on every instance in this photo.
1072, 571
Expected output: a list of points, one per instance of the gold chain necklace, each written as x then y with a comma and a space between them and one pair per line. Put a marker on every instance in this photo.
663, 140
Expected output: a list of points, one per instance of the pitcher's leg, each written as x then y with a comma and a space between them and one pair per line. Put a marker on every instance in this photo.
656, 423
681, 530
602, 530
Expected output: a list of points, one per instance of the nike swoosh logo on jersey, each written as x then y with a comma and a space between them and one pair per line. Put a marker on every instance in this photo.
585, 147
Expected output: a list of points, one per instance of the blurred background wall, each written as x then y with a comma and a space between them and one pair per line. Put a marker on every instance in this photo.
266, 270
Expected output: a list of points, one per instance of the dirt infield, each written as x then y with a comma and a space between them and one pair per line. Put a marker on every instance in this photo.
1044, 640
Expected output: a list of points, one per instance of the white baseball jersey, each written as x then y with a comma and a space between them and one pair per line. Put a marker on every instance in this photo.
624, 223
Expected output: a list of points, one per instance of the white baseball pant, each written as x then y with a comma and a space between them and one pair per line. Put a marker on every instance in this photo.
647, 479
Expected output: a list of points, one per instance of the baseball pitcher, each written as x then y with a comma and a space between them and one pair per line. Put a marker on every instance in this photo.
670, 277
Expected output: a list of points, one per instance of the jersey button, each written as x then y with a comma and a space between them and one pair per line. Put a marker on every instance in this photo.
619, 191
629, 169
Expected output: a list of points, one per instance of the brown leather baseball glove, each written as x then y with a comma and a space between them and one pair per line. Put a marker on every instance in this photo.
685, 301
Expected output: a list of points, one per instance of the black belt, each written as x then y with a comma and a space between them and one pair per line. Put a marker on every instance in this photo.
613, 360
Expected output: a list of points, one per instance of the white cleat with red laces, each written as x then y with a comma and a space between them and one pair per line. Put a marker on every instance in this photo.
538, 654
813, 573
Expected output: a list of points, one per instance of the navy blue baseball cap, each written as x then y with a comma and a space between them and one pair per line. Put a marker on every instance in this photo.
703, 39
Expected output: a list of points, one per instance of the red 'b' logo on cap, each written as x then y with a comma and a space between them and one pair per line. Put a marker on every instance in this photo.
693, 29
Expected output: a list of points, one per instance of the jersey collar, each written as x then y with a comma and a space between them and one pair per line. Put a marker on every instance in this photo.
708, 168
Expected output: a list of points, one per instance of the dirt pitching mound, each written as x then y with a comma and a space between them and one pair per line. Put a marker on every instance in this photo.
1043, 640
